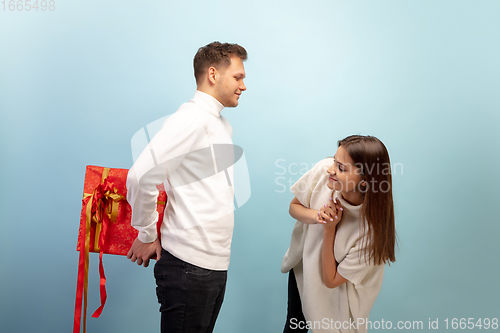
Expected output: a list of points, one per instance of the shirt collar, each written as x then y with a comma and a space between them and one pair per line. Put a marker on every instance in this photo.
209, 103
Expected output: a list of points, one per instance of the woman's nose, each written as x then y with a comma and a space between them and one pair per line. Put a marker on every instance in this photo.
331, 170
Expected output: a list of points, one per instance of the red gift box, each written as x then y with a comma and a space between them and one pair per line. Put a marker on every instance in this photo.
105, 228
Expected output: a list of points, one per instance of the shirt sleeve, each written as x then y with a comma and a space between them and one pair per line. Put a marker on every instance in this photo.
303, 188
160, 157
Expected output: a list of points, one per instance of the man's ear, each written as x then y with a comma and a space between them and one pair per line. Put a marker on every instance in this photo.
212, 75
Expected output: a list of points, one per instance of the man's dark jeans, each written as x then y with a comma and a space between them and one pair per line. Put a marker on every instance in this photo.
190, 297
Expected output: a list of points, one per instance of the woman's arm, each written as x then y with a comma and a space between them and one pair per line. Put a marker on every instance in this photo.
304, 214
331, 277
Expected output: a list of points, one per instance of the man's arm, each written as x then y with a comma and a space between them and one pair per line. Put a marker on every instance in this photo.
176, 138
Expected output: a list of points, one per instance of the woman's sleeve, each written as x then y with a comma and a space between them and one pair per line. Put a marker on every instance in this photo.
355, 268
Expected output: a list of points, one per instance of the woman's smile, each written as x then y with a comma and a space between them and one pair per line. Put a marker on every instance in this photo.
332, 179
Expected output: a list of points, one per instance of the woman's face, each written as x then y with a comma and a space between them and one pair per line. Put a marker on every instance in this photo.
344, 175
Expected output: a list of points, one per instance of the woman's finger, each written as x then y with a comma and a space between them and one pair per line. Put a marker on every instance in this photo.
327, 217
338, 204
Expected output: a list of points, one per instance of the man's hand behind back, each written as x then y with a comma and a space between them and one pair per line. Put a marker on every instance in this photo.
143, 252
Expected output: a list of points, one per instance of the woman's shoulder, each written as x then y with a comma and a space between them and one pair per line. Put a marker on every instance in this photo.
323, 165
318, 171
312, 184
326, 162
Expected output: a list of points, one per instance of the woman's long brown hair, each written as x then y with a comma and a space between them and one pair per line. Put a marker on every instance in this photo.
370, 155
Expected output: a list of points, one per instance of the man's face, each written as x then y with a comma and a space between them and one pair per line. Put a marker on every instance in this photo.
229, 84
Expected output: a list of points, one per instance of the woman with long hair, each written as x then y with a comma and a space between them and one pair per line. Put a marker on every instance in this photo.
343, 237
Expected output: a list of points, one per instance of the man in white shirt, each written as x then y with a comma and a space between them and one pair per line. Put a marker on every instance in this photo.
193, 253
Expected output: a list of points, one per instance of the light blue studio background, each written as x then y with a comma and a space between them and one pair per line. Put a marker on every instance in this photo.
76, 83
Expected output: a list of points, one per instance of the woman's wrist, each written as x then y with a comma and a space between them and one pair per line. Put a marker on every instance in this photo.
304, 214
314, 217
329, 229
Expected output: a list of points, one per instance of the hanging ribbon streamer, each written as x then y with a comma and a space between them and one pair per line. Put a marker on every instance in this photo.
101, 208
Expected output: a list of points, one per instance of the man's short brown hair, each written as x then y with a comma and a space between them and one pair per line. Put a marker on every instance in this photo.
216, 54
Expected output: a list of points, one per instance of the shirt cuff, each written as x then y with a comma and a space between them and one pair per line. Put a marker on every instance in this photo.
147, 237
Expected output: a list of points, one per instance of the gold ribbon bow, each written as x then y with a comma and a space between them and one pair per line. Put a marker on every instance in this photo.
111, 210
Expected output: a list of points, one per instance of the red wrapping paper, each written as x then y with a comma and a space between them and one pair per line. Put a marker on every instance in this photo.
108, 214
